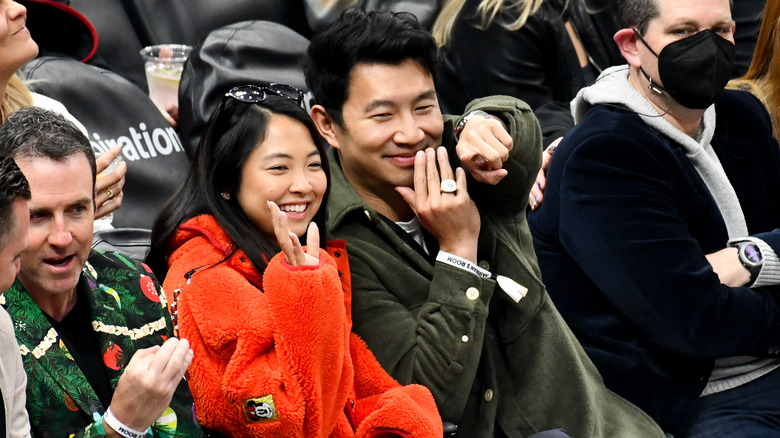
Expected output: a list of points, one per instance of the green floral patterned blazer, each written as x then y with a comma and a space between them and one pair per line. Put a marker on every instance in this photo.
128, 313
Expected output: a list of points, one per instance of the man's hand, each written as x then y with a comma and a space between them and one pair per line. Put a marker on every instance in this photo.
483, 147
536, 195
148, 382
109, 183
452, 218
730, 271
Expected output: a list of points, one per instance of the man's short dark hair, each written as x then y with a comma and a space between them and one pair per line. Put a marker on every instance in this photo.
13, 186
360, 37
33, 132
638, 14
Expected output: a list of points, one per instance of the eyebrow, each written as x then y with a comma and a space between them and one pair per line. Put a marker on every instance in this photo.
696, 24
288, 156
374, 104
82, 201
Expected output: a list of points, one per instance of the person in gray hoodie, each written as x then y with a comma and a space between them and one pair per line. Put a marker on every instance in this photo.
658, 234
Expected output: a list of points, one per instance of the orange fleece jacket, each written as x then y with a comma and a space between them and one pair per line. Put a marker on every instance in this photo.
280, 360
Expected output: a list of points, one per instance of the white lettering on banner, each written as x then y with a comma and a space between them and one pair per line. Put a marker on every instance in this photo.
140, 144
156, 135
147, 140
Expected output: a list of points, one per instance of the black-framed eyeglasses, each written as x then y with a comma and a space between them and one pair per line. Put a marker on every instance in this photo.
258, 93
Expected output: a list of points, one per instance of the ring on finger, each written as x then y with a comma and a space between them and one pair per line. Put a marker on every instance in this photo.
110, 194
449, 186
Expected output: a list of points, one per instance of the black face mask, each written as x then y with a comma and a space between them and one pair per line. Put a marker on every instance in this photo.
694, 70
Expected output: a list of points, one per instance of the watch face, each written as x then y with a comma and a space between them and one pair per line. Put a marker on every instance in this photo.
750, 251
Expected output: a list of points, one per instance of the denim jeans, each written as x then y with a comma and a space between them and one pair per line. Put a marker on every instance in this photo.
748, 411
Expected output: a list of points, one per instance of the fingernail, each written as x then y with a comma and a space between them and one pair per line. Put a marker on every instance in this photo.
539, 185
536, 199
552, 148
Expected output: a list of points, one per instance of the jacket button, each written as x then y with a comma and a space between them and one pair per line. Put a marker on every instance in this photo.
464, 338
484, 265
337, 254
472, 293
488, 395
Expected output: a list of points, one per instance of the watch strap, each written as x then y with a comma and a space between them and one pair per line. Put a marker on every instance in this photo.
462, 124
750, 257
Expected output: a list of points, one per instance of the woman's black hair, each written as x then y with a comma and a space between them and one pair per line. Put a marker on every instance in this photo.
233, 131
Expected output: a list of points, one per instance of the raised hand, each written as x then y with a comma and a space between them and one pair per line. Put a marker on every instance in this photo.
108, 186
288, 241
483, 147
148, 382
452, 218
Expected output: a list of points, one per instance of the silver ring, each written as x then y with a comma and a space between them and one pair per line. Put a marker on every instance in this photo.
449, 186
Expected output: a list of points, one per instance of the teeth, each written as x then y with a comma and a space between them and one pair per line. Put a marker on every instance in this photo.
293, 208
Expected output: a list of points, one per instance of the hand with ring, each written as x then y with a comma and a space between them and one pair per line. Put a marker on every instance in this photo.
483, 148
108, 186
442, 203
449, 186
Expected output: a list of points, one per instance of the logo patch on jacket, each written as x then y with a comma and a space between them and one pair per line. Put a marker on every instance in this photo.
260, 409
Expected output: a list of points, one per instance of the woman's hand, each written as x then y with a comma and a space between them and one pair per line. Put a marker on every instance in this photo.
288, 241
536, 195
108, 186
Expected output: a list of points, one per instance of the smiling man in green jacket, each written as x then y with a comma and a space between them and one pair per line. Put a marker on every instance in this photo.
447, 290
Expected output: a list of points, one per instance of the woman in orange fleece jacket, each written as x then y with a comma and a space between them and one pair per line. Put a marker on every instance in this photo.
271, 333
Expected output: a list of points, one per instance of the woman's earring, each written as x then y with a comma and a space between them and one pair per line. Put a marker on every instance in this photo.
226, 195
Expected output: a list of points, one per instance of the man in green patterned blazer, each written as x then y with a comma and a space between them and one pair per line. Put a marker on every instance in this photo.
94, 333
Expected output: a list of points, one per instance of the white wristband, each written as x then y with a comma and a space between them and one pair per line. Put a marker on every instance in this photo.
120, 427
460, 262
515, 290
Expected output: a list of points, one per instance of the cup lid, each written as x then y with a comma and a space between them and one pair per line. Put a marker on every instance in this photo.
166, 52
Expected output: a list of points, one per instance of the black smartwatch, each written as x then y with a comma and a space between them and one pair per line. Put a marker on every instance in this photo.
750, 257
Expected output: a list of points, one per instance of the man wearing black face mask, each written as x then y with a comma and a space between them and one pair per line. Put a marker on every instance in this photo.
658, 236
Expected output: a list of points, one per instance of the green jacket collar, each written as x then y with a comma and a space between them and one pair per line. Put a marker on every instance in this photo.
344, 199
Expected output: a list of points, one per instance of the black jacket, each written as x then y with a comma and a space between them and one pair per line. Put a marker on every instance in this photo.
621, 239
536, 63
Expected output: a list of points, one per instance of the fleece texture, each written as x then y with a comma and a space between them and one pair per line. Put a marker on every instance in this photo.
274, 353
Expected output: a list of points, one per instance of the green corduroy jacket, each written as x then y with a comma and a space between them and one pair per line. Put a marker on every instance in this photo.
488, 360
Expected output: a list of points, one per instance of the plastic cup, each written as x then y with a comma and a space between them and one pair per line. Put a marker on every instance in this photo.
164, 64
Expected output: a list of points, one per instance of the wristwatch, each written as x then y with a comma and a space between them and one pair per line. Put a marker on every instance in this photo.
466, 118
750, 257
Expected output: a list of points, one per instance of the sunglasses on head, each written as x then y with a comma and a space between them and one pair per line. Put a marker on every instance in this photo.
258, 93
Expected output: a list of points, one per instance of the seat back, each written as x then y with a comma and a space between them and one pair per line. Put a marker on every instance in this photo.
115, 111
132, 242
248, 52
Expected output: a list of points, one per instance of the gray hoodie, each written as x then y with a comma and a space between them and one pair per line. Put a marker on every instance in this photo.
612, 87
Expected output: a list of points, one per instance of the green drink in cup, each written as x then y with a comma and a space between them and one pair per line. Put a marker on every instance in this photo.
164, 64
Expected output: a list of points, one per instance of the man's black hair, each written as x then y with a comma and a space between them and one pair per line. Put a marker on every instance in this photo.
360, 37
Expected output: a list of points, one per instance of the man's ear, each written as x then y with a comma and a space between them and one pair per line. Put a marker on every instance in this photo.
325, 125
627, 40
